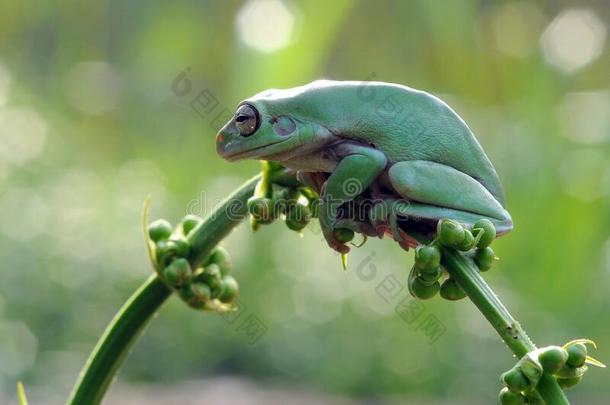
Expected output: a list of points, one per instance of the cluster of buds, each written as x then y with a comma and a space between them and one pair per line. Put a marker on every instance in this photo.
209, 286
284, 198
568, 364
424, 278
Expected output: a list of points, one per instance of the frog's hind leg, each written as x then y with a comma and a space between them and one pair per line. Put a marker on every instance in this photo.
435, 191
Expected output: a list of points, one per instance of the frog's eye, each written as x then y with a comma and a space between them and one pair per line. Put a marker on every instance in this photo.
246, 120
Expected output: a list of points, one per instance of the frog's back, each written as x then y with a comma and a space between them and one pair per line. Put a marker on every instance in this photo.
404, 123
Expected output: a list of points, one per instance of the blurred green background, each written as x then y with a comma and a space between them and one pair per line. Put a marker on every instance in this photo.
90, 124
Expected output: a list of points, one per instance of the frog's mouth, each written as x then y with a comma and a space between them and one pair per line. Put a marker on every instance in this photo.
257, 152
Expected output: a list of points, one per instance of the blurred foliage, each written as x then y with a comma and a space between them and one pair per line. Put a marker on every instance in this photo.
90, 124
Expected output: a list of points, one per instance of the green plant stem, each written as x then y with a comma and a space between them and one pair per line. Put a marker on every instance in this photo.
128, 324
463, 270
116, 341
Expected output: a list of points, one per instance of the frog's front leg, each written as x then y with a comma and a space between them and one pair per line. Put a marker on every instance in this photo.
357, 168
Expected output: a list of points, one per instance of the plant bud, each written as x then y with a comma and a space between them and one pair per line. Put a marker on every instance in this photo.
485, 230
178, 272
262, 209
196, 295
552, 359
159, 230
229, 289
167, 250
221, 257
188, 223
468, 241
427, 257
484, 258
297, 217
429, 277
450, 233
515, 380
568, 382
508, 397
211, 276
577, 354
450, 290
419, 289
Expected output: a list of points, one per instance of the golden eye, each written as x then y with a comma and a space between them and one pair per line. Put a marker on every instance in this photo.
246, 120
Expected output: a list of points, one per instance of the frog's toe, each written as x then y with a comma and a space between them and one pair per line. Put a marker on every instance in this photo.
338, 246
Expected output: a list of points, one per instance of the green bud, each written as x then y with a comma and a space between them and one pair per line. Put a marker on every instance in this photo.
211, 277
175, 247
485, 230
189, 222
568, 382
419, 289
450, 290
343, 235
534, 398
221, 257
468, 241
429, 277
484, 258
187, 292
159, 230
450, 232
508, 397
229, 289
178, 272
297, 217
196, 295
261, 209
427, 257
552, 359
577, 354
568, 371
515, 380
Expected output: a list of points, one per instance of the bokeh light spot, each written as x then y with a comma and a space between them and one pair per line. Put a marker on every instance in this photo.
573, 40
22, 135
265, 25
92, 87
515, 28
23, 213
585, 116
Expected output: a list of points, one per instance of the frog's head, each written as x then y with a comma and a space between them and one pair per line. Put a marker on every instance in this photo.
264, 127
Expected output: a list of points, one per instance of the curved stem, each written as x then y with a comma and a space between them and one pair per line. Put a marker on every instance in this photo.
463, 270
129, 322
114, 344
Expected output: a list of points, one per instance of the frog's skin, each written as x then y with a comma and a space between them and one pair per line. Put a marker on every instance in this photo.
404, 147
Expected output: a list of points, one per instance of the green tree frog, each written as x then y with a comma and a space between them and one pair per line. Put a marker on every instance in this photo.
405, 149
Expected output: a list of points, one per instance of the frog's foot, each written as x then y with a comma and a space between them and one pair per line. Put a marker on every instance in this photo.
333, 235
384, 218
568, 364
363, 228
435, 191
